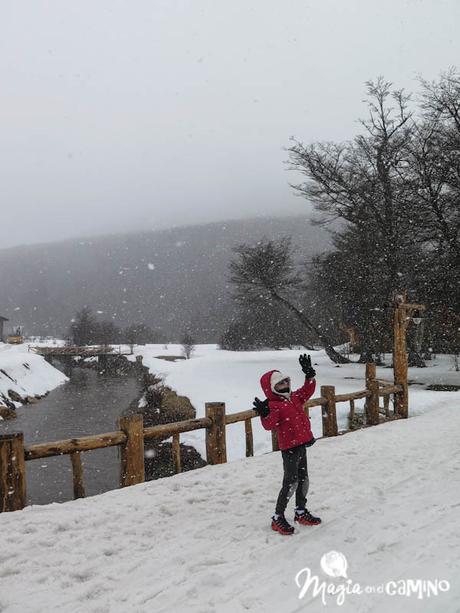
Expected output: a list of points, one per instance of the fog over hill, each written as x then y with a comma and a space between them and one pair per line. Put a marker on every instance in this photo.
172, 280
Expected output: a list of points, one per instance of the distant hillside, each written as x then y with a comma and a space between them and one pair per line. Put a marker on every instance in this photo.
168, 279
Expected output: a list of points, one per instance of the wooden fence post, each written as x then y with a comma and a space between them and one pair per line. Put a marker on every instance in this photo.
400, 358
351, 415
372, 401
249, 438
216, 448
275, 446
77, 473
12, 472
176, 453
386, 405
329, 411
132, 452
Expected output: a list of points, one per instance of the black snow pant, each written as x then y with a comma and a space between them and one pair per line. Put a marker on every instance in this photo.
295, 478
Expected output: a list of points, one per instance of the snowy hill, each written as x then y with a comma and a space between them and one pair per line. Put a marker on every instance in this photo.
389, 497
169, 279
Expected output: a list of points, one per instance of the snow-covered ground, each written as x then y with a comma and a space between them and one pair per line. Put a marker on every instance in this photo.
213, 375
389, 497
200, 542
26, 373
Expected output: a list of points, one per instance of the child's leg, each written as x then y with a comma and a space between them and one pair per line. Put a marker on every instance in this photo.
303, 480
291, 459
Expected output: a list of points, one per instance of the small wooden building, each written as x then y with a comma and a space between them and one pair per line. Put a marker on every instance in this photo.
2, 319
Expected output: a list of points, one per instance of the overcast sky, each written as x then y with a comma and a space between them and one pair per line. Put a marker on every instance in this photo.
138, 114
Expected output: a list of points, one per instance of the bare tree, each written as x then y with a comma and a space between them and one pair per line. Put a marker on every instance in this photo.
84, 327
365, 181
436, 162
140, 334
266, 271
396, 189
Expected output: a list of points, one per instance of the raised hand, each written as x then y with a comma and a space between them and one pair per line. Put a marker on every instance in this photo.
307, 368
261, 407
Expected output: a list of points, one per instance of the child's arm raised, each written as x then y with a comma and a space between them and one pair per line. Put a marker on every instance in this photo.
306, 391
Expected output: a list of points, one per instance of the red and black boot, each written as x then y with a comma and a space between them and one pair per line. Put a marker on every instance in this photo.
279, 524
305, 518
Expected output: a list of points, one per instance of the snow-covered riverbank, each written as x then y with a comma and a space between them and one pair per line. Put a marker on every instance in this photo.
25, 374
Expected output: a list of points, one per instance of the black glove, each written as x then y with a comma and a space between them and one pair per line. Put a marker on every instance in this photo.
305, 363
310, 442
261, 407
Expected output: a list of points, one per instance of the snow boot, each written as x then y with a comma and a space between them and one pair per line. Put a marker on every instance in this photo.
279, 524
305, 518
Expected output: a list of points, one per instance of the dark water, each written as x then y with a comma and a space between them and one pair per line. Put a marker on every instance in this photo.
88, 404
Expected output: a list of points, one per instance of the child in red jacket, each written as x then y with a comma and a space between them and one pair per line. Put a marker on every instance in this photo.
283, 411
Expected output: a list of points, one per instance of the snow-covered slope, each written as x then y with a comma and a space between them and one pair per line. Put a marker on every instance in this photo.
26, 373
389, 497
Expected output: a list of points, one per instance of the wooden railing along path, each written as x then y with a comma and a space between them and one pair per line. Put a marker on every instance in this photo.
131, 435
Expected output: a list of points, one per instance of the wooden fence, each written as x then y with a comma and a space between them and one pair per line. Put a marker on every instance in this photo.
131, 435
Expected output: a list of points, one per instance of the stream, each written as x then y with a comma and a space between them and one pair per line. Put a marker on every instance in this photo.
87, 404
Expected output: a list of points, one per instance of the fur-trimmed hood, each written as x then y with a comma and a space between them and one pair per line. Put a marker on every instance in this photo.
268, 382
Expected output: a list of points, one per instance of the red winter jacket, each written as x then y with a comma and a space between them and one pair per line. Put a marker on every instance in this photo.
288, 417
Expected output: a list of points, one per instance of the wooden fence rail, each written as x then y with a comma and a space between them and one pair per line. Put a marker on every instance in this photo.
131, 435
71, 445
